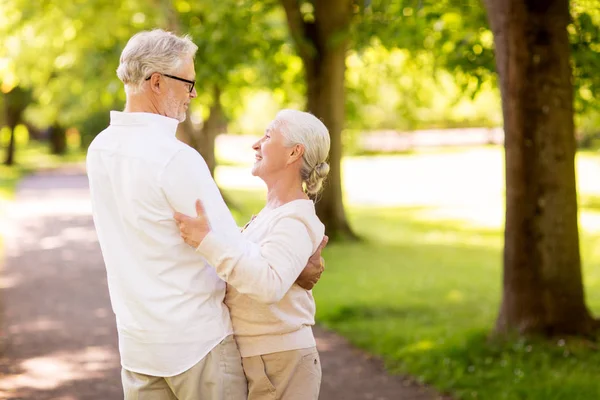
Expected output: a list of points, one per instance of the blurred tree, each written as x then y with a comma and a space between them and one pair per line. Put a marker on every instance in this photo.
215, 124
324, 31
69, 60
447, 35
395, 89
321, 33
58, 139
244, 52
15, 102
543, 290
457, 34
542, 48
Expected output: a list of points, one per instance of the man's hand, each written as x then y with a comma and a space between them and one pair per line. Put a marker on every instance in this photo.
311, 274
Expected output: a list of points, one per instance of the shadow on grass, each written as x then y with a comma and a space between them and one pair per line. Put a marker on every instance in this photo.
366, 313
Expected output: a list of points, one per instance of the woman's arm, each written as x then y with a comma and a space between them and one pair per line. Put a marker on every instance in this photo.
263, 271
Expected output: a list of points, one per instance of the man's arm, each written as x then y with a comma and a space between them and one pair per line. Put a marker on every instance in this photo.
185, 179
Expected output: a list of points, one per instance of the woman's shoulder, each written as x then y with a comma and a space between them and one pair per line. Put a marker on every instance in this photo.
295, 208
300, 212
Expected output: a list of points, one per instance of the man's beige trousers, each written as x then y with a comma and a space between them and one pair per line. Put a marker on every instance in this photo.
286, 375
218, 376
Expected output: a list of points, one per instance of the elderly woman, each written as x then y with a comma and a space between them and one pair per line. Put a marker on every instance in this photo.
272, 317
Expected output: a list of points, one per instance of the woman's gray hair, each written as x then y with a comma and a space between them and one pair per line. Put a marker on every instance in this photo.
303, 128
152, 51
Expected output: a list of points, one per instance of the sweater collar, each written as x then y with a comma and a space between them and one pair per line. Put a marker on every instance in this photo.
156, 121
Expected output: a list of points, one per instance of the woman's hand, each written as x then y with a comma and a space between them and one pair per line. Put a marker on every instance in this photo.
193, 230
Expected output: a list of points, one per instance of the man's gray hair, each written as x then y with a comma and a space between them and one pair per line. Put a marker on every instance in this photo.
303, 128
152, 51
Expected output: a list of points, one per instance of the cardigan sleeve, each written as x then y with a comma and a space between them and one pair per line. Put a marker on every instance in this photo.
263, 271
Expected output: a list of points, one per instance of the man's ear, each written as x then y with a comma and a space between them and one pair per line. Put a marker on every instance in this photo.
155, 83
296, 153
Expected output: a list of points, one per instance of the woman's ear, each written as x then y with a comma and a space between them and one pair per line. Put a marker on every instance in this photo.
296, 153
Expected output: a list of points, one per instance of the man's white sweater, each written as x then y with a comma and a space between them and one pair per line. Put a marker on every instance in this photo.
269, 312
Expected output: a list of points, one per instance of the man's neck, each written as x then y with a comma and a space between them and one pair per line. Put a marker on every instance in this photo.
141, 103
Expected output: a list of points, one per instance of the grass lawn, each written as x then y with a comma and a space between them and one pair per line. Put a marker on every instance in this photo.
423, 289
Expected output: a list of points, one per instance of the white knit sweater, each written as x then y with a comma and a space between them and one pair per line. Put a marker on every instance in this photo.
269, 312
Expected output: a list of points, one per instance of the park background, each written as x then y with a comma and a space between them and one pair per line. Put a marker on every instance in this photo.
422, 232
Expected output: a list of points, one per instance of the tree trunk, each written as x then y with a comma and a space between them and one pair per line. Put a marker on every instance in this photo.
9, 159
213, 126
13, 109
322, 45
34, 132
186, 131
168, 15
203, 139
58, 139
543, 290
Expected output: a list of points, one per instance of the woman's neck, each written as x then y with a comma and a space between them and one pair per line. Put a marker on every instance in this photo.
282, 191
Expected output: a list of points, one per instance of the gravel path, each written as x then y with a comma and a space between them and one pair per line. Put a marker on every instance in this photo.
58, 336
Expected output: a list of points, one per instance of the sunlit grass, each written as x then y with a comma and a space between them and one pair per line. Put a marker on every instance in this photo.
423, 289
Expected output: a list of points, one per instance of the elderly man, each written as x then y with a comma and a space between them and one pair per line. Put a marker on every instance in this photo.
175, 333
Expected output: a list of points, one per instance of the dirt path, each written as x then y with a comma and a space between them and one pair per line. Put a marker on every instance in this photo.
58, 336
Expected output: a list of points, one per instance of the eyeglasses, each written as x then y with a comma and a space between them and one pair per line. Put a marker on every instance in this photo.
191, 83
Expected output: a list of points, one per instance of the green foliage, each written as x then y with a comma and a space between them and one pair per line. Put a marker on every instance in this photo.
66, 57
457, 33
69, 60
585, 43
242, 46
394, 89
413, 63
453, 33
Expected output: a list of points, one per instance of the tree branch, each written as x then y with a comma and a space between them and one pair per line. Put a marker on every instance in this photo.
300, 30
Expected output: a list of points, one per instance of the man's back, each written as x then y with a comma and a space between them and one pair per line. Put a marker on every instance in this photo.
165, 298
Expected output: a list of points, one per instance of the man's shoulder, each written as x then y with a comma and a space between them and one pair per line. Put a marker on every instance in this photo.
179, 146
99, 138
185, 153
151, 145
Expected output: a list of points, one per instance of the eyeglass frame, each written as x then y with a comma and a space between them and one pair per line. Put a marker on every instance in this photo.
193, 83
